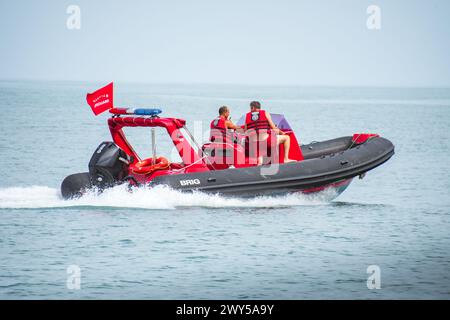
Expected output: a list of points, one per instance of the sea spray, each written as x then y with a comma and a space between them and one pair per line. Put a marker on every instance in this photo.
159, 197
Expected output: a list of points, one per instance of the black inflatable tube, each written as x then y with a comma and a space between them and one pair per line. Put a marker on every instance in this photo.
325, 163
310, 173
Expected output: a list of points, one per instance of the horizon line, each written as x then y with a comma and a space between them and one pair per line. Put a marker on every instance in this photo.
280, 85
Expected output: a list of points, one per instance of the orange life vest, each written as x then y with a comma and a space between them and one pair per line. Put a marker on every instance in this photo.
218, 132
257, 120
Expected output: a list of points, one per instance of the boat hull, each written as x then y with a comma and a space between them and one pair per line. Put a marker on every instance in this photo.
311, 175
328, 164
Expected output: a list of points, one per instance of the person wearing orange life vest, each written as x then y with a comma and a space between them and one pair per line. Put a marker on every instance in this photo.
260, 123
221, 125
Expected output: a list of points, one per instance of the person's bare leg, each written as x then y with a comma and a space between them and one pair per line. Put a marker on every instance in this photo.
287, 147
262, 146
260, 161
286, 141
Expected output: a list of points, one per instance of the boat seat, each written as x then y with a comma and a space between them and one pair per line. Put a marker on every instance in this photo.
220, 155
262, 147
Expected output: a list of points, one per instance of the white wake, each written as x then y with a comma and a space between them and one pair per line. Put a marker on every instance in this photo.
160, 197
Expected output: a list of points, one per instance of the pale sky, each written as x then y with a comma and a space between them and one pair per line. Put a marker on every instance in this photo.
279, 42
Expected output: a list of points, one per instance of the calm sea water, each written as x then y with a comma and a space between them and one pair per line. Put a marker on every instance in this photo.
162, 244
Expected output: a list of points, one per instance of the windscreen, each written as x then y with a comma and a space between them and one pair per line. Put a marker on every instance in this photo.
278, 119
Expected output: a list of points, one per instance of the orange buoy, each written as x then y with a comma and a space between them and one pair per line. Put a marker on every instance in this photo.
147, 166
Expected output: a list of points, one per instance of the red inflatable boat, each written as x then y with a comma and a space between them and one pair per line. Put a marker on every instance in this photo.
227, 167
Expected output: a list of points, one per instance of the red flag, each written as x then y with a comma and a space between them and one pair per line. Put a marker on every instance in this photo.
101, 100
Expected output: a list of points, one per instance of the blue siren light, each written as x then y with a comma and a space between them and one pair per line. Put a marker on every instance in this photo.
147, 112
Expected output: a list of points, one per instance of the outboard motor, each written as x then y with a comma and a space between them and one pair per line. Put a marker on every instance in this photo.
108, 165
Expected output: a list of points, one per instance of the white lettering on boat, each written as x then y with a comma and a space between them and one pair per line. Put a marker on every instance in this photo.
190, 182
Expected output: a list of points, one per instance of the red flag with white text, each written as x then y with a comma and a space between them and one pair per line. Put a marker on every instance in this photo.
101, 100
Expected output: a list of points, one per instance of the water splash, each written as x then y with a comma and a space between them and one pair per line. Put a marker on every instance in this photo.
159, 197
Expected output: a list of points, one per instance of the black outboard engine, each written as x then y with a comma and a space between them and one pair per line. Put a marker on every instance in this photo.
108, 165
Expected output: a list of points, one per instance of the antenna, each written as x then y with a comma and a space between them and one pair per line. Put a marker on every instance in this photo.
154, 145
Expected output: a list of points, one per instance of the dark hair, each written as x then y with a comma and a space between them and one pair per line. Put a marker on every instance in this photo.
223, 109
255, 104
